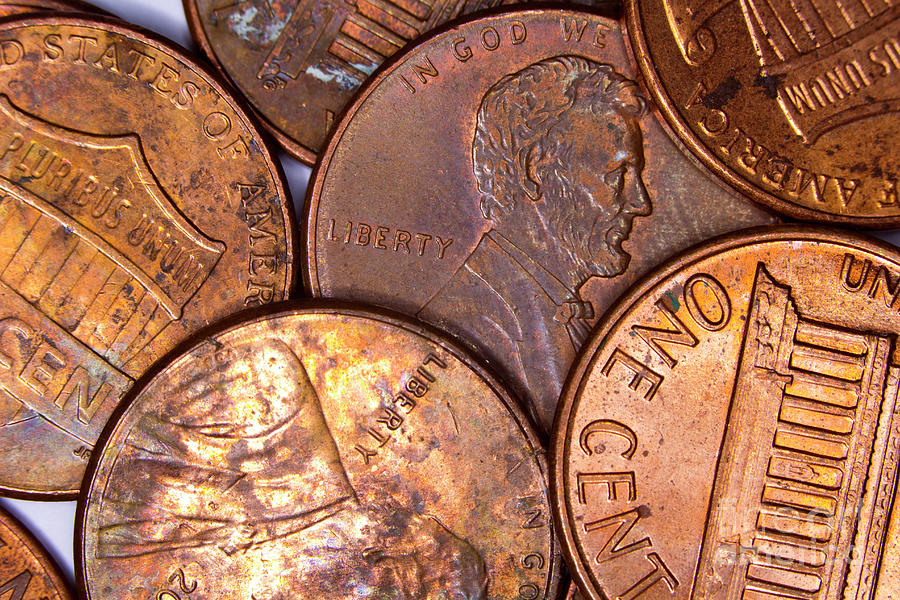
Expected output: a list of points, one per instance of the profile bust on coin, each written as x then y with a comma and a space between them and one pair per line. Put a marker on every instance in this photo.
558, 156
240, 470
241, 458
527, 166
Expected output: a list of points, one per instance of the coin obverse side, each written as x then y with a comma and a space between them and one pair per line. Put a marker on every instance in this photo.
300, 61
321, 452
27, 572
487, 182
137, 204
793, 103
731, 430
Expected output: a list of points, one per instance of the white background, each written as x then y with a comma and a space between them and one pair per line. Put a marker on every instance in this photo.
53, 522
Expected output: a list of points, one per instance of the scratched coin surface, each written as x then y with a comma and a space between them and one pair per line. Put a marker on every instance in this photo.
487, 182
732, 432
793, 103
300, 61
318, 452
128, 219
27, 572
9, 8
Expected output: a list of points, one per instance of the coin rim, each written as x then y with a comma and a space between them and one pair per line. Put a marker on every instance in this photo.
39, 552
154, 40
640, 53
584, 366
308, 306
79, 7
293, 147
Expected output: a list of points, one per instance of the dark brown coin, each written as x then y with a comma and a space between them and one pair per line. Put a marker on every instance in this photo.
731, 431
793, 103
27, 572
137, 204
318, 452
487, 182
300, 61
19, 7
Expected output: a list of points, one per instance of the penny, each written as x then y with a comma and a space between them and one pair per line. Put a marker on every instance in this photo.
19, 7
731, 430
133, 213
506, 180
300, 61
27, 572
792, 103
320, 451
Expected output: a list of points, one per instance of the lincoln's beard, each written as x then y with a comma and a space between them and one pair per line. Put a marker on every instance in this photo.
609, 258
593, 243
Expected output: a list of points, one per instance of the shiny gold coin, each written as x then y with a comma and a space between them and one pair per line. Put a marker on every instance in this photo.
137, 204
731, 430
27, 572
320, 451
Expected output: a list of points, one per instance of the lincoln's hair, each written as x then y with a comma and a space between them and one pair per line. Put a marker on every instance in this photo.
517, 116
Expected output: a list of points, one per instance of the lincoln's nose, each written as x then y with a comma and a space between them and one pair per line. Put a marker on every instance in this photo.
637, 200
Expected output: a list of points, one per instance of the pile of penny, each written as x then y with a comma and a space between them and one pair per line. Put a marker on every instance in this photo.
573, 307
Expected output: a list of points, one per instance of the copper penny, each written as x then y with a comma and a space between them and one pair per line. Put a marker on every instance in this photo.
731, 430
321, 451
10, 8
793, 103
300, 61
506, 181
27, 572
137, 204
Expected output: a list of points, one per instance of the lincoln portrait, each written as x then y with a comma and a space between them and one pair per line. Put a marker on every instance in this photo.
557, 156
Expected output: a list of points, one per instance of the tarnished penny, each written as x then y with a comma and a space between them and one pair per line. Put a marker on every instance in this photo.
27, 572
793, 103
731, 431
300, 61
322, 451
10, 8
487, 182
137, 204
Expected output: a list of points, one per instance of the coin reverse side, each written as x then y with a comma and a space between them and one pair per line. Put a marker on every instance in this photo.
793, 103
731, 430
137, 204
506, 180
27, 572
322, 452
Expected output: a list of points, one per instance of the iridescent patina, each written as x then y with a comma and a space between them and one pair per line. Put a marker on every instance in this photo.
320, 451
137, 204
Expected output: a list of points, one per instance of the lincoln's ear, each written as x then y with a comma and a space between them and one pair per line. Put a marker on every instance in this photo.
528, 176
